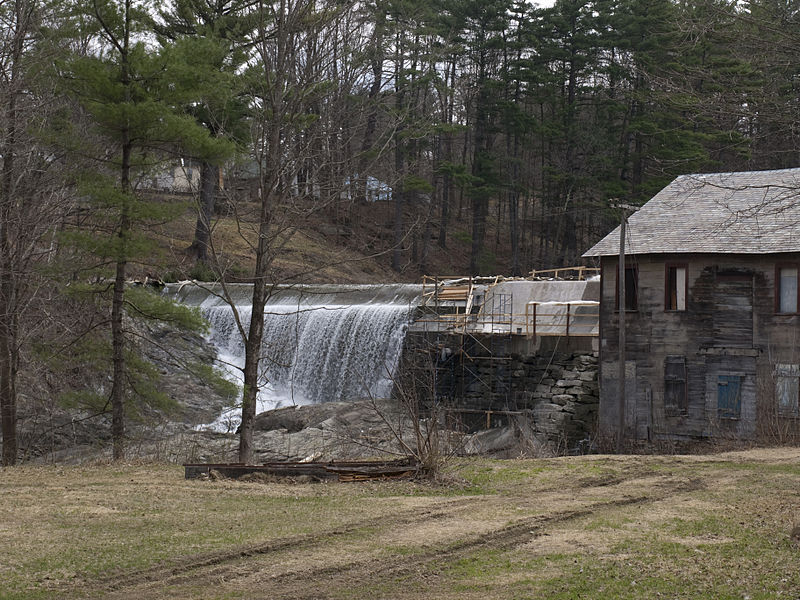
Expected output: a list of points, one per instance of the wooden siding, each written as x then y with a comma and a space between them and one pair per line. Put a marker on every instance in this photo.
729, 328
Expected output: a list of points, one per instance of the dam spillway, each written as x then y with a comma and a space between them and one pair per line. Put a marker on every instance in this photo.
322, 343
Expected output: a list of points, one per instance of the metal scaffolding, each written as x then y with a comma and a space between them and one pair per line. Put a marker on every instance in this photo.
466, 327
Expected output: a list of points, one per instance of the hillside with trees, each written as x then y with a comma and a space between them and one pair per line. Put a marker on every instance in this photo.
298, 140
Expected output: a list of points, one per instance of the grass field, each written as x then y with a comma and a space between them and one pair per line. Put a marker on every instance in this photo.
714, 526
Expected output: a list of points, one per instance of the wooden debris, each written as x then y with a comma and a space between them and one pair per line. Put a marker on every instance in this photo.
343, 471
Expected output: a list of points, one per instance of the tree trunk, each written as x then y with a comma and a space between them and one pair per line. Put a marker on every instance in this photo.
118, 358
398, 194
398, 198
8, 396
448, 156
117, 309
255, 336
481, 170
480, 205
269, 185
209, 176
513, 226
255, 333
8, 372
8, 313
118, 298
368, 140
427, 232
464, 152
9, 271
249, 403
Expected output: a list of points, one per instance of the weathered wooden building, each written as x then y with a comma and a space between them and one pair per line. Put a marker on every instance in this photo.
712, 315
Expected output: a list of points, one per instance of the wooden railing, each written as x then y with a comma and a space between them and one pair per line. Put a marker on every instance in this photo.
581, 272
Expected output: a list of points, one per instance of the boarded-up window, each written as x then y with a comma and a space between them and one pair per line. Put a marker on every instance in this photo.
729, 396
631, 289
676, 287
732, 315
787, 289
787, 389
675, 392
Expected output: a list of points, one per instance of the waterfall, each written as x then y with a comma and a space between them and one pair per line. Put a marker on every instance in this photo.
321, 342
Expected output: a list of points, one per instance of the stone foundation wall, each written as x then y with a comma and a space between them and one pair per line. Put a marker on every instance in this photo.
554, 386
563, 394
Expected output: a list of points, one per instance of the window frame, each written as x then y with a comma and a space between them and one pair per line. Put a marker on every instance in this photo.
673, 409
778, 268
787, 371
667, 289
635, 270
726, 414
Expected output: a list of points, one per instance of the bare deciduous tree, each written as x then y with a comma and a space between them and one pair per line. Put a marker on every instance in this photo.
32, 194
300, 79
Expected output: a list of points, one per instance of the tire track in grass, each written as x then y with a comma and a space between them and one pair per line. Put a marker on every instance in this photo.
164, 572
316, 582
313, 585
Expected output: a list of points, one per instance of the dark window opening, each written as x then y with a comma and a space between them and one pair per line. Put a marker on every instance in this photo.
677, 287
786, 297
729, 396
787, 389
675, 390
631, 289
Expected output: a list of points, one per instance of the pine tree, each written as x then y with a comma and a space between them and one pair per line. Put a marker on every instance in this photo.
214, 35
483, 24
767, 38
133, 99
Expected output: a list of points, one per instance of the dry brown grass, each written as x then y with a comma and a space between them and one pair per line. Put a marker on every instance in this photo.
308, 256
596, 527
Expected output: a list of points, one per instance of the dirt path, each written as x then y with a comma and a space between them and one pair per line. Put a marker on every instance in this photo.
315, 584
409, 543
218, 563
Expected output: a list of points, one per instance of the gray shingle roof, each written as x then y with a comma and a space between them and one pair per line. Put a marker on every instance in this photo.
752, 212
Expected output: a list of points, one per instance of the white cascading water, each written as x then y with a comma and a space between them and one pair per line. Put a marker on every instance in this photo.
321, 342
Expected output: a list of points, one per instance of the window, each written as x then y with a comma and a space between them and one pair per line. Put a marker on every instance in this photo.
787, 389
729, 396
675, 392
631, 287
676, 287
786, 298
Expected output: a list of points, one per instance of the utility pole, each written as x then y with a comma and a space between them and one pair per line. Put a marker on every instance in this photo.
624, 208
621, 313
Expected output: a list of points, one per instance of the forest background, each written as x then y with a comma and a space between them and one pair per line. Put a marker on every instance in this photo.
340, 141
